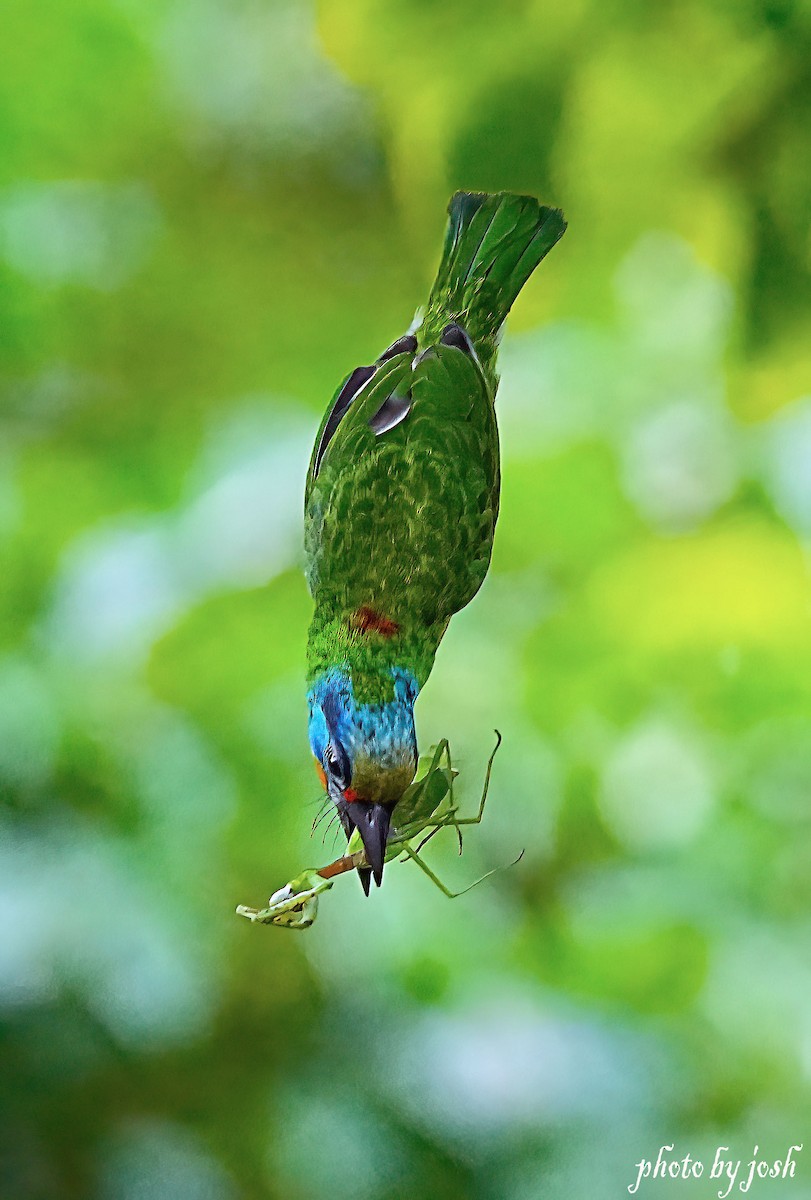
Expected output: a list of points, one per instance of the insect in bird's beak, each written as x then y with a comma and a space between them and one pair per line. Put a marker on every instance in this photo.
372, 823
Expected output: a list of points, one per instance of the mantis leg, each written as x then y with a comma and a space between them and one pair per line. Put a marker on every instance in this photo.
476, 820
450, 817
450, 797
428, 836
412, 854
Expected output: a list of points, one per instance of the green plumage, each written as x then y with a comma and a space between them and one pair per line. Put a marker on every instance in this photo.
400, 523
493, 243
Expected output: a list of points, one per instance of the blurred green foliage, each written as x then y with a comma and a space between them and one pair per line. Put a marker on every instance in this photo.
209, 212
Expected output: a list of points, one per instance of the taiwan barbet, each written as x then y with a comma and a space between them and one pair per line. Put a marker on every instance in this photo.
401, 505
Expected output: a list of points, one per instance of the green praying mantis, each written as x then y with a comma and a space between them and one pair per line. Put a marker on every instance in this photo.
427, 805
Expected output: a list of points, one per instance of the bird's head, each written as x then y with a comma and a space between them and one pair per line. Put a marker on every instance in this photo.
365, 754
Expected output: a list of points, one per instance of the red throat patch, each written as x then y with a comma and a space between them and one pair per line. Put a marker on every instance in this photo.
367, 620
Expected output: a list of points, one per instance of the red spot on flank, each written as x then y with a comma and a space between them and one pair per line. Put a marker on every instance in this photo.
366, 620
350, 794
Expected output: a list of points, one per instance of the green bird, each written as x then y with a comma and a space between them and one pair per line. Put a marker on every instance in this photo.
400, 510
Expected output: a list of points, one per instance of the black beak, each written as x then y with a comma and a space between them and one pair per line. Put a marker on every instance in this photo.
372, 823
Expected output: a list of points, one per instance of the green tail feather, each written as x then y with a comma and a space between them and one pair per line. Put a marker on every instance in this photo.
493, 244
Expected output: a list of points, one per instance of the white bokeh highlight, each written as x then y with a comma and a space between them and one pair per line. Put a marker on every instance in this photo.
78, 231
657, 789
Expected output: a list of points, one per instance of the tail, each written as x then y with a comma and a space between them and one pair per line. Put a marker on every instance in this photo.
493, 244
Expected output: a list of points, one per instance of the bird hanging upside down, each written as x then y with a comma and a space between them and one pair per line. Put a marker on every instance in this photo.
400, 509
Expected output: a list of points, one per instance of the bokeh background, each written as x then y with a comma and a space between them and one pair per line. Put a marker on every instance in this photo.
211, 211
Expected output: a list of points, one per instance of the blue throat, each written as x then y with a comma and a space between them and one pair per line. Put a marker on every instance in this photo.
383, 732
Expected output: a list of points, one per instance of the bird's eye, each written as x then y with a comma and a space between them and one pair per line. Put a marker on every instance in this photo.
337, 765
